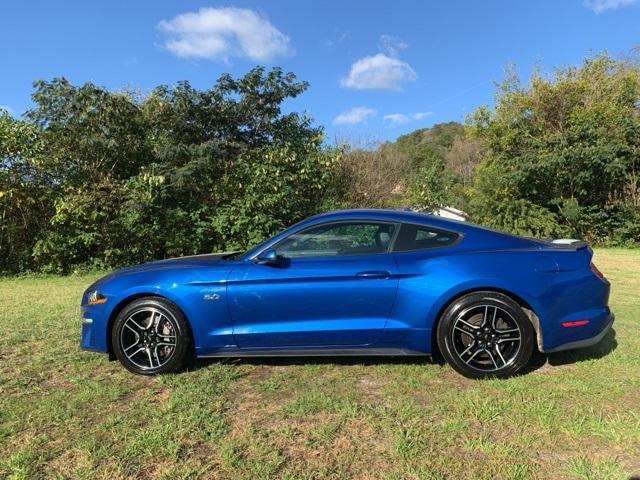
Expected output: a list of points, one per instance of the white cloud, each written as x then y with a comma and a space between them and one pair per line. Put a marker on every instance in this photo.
343, 37
354, 115
391, 45
599, 6
421, 115
400, 118
379, 72
397, 118
221, 33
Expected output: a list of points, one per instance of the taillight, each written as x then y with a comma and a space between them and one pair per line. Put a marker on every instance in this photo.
595, 270
575, 323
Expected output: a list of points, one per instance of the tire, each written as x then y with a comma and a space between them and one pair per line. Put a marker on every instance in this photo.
151, 336
485, 335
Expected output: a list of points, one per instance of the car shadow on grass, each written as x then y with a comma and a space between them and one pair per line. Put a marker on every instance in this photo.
607, 345
538, 360
319, 360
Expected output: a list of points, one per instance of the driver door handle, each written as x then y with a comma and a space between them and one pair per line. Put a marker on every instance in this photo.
373, 274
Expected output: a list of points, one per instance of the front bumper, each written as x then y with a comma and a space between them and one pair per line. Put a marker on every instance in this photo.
586, 342
94, 323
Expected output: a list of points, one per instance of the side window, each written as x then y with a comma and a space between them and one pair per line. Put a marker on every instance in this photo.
344, 238
414, 237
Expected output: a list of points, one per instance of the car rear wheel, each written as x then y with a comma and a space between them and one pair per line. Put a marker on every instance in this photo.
484, 335
151, 336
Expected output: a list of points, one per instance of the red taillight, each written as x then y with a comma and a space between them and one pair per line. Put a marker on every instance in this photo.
595, 270
575, 323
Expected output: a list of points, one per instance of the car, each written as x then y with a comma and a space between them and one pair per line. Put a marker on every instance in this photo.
356, 282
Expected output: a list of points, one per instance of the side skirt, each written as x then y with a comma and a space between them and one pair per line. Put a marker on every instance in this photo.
315, 352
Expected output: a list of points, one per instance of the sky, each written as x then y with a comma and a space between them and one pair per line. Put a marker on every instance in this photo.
376, 69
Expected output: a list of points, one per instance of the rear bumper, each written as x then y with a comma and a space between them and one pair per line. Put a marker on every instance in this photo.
586, 342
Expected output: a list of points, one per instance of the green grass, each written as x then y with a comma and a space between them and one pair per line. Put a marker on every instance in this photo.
69, 414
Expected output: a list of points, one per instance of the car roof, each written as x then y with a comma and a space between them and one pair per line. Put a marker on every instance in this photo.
410, 216
483, 236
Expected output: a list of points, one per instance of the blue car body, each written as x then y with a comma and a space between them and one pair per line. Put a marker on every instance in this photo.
381, 303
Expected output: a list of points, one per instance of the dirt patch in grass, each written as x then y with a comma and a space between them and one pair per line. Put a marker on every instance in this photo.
372, 388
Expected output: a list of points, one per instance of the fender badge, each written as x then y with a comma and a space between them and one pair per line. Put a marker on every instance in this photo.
211, 296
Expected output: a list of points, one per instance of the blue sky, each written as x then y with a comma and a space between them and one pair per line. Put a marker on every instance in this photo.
376, 69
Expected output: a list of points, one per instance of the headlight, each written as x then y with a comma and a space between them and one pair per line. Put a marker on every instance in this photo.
95, 298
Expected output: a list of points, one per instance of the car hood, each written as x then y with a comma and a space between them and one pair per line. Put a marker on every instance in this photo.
205, 260
192, 260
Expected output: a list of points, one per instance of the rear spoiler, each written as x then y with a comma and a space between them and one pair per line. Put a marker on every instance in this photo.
561, 243
567, 243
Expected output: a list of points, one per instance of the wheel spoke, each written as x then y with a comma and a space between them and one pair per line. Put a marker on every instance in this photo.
493, 360
477, 351
157, 325
135, 332
138, 326
485, 316
471, 345
150, 357
510, 336
135, 353
463, 330
495, 316
500, 355
151, 320
155, 353
470, 325
137, 342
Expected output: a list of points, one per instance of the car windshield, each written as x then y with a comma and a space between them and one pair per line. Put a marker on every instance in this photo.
234, 255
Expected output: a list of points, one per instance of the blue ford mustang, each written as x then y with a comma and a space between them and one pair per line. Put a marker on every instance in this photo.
356, 282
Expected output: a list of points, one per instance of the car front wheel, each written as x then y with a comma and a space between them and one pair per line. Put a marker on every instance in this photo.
150, 336
485, 334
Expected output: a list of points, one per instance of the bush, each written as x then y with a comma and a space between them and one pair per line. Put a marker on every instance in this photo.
124, 179
564, 150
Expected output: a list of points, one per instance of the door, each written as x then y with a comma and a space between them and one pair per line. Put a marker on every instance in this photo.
333, 284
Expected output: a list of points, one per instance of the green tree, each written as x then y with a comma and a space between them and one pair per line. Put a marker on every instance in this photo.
180, 171
372, 178
425, 145
26, 192
432, 186
565, 146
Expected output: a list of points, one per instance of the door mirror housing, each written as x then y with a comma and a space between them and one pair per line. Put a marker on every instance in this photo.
268, 257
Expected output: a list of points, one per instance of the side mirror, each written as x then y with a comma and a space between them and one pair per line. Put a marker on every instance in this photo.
268, 257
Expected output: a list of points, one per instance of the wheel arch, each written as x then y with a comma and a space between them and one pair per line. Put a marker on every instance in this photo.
131, 298
524, 305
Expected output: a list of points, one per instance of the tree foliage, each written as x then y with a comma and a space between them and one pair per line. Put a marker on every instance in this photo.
566, 147
425, 169
126, 178
373, 178
92, 177
26, 199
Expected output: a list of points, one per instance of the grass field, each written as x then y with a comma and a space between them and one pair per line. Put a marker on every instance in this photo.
69, 414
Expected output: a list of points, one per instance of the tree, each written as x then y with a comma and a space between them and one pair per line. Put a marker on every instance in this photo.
26, 192
567, 146
180, 171
463, 158
424, 145
373, 178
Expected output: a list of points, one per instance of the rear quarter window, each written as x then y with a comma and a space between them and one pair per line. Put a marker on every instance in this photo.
416, 237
